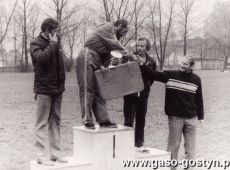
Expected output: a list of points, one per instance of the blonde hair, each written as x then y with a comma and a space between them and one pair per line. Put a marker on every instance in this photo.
191, 59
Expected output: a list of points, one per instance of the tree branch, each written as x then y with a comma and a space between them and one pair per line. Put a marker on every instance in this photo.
8, 22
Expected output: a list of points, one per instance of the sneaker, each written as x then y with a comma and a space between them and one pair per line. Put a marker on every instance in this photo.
45, 162
59, 159
142, 149
89, 125
108, 124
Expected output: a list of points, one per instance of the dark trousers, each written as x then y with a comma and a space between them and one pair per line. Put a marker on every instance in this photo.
136, 107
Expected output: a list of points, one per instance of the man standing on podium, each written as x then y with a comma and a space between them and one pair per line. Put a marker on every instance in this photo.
135, 105
93, 56
49, 85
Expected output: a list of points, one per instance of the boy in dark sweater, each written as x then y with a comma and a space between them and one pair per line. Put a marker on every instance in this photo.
183, 105
135, 105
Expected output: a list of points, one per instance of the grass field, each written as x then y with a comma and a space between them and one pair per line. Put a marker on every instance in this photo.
17, 112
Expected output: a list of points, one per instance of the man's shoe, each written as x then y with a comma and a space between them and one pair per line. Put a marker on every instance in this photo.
60, 160
45, 162
142, 149
89, 125
108, 124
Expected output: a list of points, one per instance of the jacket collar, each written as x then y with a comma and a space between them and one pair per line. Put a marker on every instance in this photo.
43, 37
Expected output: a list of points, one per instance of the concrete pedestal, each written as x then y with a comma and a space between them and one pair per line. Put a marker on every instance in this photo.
154, 155
144, 161
104, 146
105, 149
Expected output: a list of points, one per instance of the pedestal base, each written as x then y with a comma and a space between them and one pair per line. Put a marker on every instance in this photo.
72, 164
107, 149
145, 161
155, 155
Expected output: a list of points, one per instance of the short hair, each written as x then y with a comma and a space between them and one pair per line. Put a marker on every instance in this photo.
191, 59
148, 44
49, 23
122, 22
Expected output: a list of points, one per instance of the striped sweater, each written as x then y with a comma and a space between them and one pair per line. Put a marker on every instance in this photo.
183, 96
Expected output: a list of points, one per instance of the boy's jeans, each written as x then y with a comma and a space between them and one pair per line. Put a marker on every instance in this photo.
177, 127
48, 119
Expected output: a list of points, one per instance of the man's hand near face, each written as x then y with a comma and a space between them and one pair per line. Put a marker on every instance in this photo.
53, 38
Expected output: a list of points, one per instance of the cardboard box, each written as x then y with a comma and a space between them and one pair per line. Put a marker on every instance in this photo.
119, 81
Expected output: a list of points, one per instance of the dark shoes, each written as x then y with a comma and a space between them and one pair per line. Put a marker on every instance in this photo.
108, 124
45, 162
59, 159
89, 125
51, 162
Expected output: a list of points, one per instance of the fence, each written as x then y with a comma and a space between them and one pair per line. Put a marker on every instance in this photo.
15, 69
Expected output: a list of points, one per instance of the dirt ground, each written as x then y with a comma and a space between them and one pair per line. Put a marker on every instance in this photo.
17, 112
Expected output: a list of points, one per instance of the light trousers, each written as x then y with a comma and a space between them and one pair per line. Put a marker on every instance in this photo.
177, 127
48, 121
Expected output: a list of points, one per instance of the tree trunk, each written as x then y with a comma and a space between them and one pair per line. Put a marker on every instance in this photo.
15, 47
25, 69
185, 36
25, 47
107, 15
15, 54
161, 64
225, 62
135, 14
71, 60
201, 53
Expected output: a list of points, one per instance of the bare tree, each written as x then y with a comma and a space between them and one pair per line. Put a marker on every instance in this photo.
186, 6
72, 40
15, 40
89, 23
116, 9
3, 57
66, 13
25, 35
5, 21
137, 18
8, 20
107, 11
132, 11
33, 27
160, 30
219, 29
27, 20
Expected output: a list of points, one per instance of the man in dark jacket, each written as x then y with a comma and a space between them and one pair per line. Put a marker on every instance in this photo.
183, 105
135, 105
95, 55
49, 81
